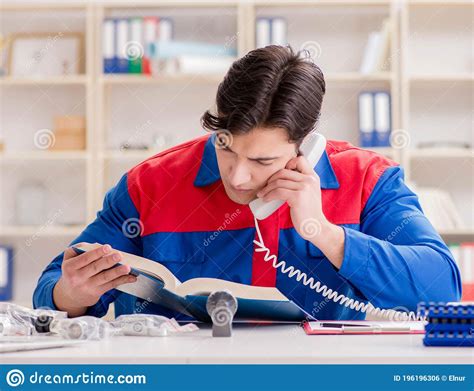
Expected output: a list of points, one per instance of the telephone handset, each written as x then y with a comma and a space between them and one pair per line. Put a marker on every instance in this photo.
312, 148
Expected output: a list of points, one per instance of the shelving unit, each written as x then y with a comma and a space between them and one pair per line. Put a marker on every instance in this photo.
171, 105
437, 79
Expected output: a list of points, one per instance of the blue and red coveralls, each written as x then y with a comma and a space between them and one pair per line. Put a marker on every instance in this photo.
393, 257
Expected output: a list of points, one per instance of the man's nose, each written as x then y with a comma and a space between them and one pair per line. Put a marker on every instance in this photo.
239, 175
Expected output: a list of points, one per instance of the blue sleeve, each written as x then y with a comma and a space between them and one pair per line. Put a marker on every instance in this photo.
398, 259
116, 224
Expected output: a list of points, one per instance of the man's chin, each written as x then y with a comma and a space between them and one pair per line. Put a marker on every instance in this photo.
241, 198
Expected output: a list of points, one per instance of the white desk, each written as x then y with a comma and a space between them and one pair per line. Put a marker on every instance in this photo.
250, 344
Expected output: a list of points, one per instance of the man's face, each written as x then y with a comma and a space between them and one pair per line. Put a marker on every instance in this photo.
247, 161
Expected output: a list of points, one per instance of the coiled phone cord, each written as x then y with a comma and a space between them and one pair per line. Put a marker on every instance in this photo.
367, 308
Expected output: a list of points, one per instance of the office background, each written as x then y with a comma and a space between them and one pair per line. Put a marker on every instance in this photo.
70, 127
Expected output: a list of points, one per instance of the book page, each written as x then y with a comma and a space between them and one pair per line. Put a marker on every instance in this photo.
204, 286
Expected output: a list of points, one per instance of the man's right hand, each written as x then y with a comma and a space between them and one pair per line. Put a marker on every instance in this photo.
86, 277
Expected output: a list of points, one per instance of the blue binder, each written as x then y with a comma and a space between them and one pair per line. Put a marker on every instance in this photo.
6, 273
382, 119
122, 42
108, 45
366, 119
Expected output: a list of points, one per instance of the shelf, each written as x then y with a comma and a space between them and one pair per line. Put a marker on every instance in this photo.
230, 3
118, 79
448, 3
43, 155
388, 151
32, 81
438, 77
217, 78
42, 230
458, 235
170, 3
268, 3
129, 155
356, 76
37, 6
441, 153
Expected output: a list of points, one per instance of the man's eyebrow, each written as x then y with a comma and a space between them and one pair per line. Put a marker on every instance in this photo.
256, 158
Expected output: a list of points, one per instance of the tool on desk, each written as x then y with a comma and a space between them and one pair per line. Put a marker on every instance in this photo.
363, 327
16, 320
150, 325
450, 324
221, 307
82, 327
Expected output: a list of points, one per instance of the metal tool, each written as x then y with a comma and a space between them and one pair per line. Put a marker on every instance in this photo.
221, 307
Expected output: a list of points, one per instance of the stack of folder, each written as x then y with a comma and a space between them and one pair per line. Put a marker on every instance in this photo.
134, 45
375, 120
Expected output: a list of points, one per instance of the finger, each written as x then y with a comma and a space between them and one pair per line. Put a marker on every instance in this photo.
108, 275
280, 194
101, 264
82, 260
301, 164
116, 282
282, 184
287, 174
70, 253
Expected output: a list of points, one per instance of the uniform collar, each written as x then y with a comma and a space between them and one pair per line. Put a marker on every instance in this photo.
209, 170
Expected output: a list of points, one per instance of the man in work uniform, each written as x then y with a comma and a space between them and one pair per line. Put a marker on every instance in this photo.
350, 222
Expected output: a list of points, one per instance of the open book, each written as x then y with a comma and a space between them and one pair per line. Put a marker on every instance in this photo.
156, 283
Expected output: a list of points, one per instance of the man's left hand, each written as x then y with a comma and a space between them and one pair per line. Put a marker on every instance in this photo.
299, 185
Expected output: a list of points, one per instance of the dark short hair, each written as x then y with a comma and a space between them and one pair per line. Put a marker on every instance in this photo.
269, 87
